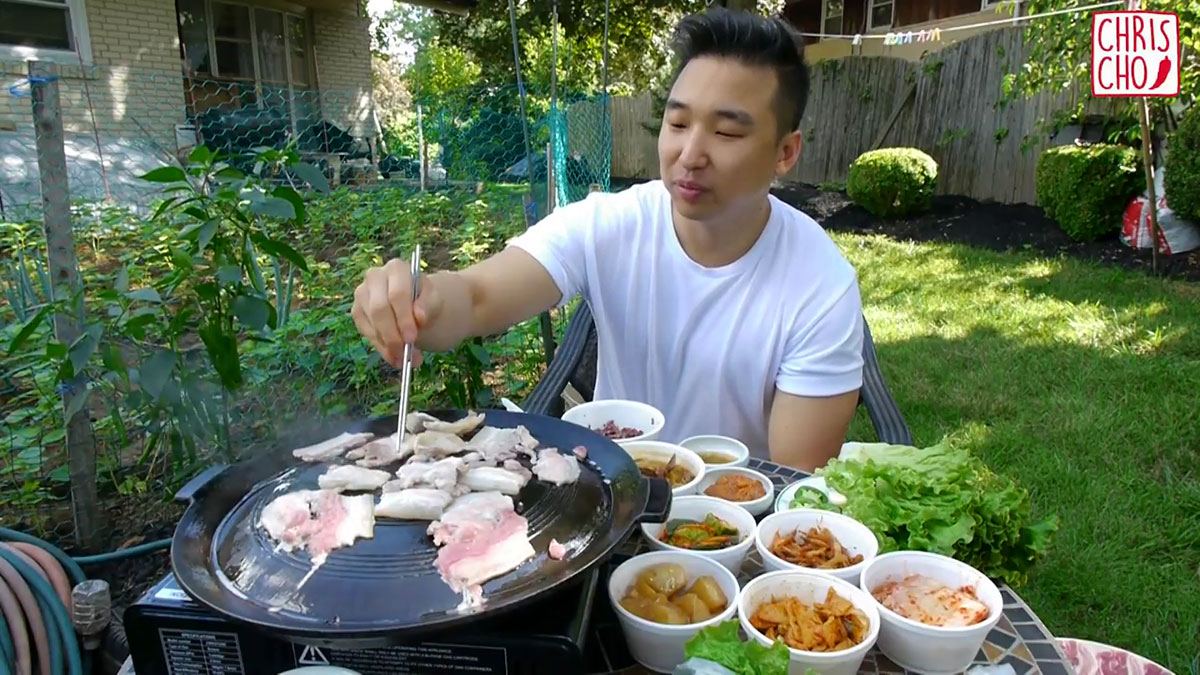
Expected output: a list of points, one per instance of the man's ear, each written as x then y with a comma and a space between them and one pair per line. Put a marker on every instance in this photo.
789, 152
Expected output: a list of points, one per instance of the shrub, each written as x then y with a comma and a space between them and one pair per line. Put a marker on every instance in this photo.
1182, 179
892, 182
1086, 188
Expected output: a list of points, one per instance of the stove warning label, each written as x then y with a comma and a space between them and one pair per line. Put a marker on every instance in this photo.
192, 652
409, 659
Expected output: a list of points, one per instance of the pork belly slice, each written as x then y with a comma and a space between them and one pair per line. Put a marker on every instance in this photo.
382, 451
416, 422
497, 445
437, 444
331, 448
413, 504
554, 467
518, 468
482, 537
556, 550
350, 477
490, 478
318, 521
443, 474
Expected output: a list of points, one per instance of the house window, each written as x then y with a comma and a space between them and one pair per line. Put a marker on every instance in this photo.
881, 13
236, 41
238, 55
831, 21
52, 30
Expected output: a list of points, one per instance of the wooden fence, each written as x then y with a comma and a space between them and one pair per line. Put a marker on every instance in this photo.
946, 105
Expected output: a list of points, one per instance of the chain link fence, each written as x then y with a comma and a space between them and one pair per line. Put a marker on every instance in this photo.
112, 390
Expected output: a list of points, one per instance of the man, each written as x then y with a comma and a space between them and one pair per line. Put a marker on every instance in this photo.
725, 308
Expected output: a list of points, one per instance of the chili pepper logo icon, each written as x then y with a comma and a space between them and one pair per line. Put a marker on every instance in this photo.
1164, 69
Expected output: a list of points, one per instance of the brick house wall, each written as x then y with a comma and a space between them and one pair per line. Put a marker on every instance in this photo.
341, 43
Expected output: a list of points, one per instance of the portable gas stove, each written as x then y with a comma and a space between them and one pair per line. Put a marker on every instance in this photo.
170, 634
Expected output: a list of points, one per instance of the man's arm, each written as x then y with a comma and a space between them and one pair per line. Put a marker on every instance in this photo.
805, 432
486, 298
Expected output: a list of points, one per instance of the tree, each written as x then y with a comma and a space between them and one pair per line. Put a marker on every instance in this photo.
1059, 56
637, 45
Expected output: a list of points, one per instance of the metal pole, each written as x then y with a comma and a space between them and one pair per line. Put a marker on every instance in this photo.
65, 283
424, 153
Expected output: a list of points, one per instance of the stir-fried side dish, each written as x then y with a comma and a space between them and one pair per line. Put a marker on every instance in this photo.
816, 548
830, 626
615, 431
708, 535
459, 475
661, 594
736, 487
711, 457
675, 474
929, 601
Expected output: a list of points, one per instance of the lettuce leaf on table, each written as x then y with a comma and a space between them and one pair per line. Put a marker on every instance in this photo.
723, 645
944, 500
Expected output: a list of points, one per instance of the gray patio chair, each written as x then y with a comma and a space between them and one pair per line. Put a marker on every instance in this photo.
574, 363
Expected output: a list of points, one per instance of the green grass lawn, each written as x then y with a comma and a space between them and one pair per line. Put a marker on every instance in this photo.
1082, 382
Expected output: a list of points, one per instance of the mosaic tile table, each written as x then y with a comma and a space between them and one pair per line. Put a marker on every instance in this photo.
1019, 639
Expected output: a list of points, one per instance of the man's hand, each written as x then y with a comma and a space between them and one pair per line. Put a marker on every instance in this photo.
386, 314
806, 432
484, 299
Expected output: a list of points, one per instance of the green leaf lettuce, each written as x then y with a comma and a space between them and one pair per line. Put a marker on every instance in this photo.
721, 644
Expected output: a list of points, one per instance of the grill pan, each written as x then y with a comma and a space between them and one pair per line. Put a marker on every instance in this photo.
386, 590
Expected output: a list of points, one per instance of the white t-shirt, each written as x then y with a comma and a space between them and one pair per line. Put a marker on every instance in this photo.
706, 346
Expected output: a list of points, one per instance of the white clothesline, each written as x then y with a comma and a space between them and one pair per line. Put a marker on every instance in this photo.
951, 29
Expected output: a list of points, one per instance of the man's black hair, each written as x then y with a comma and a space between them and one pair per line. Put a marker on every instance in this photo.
754, 40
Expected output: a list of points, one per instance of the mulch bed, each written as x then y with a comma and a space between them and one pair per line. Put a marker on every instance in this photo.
989, 225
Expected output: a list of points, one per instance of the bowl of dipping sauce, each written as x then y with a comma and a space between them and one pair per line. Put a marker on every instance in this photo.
718, 451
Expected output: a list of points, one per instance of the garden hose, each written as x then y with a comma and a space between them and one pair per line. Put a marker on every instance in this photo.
42, 591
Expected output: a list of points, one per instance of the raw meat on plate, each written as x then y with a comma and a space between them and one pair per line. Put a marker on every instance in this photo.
490, 478
349, 477
555, 467
443, 474
382, 451
331, 448
318, 521
482, 537
413, 504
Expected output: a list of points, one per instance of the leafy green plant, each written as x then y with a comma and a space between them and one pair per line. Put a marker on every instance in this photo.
892, 182
1182, 166
1086, 188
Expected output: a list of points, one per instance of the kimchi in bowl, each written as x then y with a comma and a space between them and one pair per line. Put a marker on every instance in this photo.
934, 611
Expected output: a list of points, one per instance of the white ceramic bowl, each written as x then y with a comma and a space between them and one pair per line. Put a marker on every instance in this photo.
659, 451
737, 451
696, 507
634, 414
920, 647
853, 535
785, 496
756, 507
657, 646
811, 588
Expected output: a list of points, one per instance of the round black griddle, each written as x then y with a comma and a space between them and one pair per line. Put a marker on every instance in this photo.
386, 589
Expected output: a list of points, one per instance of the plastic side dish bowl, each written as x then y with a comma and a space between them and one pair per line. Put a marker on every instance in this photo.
855, 537
697, 507
625, 414
810, 588
657, 451
921, 647
756, 507
718, 451
659, 646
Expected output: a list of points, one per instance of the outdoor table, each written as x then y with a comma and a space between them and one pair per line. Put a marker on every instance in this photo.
1019, 639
